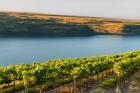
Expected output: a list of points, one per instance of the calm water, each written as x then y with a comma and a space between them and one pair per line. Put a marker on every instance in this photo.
27, 50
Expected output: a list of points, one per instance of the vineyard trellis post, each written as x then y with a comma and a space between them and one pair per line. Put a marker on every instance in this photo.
14, 79
74, 84
0, 88
118, 84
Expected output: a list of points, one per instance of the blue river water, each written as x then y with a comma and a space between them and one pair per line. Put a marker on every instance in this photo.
26, 50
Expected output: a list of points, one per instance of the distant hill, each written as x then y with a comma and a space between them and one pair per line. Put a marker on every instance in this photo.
31, 24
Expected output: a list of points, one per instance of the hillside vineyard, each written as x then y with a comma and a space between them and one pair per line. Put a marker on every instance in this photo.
55, 73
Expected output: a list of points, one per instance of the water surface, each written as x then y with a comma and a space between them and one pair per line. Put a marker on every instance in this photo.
26, 50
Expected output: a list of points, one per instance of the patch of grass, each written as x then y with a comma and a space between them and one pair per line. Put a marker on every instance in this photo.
137, 78
110, 82
32, 90
11, 89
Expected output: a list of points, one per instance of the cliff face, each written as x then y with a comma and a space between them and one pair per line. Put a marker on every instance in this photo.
41, 24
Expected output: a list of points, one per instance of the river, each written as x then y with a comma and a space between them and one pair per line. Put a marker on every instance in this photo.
16, 50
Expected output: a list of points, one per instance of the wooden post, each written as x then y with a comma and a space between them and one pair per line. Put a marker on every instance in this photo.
0, 88
118, 84
74, 84
112, 71
71, 90
102, 76
14, 84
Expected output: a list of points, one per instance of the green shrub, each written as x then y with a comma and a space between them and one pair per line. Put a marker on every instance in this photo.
32, 90
8, 90
110, 82
19, 87
137, 78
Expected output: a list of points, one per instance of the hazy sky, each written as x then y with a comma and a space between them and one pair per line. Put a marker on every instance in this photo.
95, 8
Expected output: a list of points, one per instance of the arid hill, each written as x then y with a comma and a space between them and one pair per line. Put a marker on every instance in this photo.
26, 24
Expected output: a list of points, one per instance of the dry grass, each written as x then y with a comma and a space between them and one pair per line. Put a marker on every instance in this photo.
63, 19
109, 27
100, 25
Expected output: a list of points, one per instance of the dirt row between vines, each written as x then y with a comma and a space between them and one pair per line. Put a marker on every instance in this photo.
130, 86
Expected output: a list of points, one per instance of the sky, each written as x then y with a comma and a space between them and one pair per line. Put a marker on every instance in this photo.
94, 8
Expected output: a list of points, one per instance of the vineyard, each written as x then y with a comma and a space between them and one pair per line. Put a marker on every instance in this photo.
69, 75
